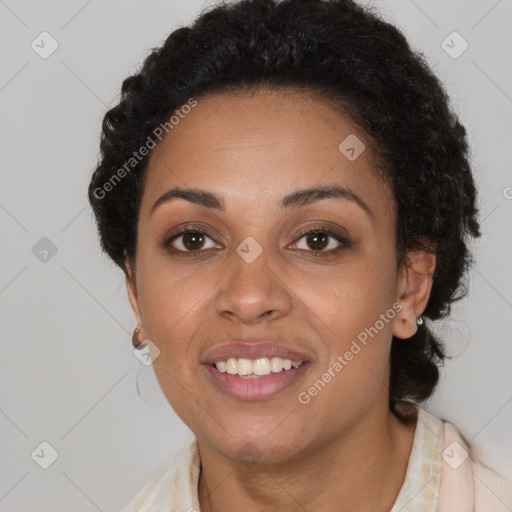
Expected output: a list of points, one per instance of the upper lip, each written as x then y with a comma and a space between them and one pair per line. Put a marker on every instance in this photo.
252, 350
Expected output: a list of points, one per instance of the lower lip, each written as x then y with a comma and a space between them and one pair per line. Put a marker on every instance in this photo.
258, 388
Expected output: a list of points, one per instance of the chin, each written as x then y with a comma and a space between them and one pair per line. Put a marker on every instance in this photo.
259, 444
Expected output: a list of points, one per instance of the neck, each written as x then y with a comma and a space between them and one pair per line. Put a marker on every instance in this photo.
362, 469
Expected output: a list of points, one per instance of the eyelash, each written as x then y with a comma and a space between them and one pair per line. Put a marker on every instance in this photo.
344, 242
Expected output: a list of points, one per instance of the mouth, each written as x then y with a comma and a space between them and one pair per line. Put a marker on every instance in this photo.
247, 368
255, 371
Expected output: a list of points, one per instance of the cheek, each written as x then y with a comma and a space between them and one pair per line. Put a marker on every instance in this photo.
347, 298
352, 313
172, 319
170, 295
356, 366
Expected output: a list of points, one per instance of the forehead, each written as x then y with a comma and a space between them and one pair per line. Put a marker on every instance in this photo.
262, 145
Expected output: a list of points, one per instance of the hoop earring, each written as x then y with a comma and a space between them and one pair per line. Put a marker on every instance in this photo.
419, 320
135, 341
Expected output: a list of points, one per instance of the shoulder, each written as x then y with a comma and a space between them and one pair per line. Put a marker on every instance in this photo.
492, 490
467, 483
173, 487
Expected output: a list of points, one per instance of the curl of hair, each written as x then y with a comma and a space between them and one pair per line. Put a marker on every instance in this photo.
349, 56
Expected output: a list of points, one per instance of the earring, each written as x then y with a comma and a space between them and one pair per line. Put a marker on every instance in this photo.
135, 341
419, 320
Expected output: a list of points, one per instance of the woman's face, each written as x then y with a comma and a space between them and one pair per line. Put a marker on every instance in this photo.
253, 285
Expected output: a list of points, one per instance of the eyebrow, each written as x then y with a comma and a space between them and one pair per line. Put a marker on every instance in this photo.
302, 197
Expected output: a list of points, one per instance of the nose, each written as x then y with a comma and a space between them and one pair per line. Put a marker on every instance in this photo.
253, 292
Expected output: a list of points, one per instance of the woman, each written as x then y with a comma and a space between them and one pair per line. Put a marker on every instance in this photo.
290, 198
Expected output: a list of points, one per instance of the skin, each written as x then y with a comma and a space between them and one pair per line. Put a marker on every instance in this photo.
344, 450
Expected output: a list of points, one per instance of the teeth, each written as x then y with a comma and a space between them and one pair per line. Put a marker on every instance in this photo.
248, 368
276, 364
231, 366
261, 366
245, 367
221, 366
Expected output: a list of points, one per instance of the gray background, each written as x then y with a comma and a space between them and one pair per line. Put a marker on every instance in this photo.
67, 372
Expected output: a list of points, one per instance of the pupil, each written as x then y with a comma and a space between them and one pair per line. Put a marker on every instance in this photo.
192, 240
318, 240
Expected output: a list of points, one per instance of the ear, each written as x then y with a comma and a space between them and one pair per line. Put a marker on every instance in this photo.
414, 286
131, 286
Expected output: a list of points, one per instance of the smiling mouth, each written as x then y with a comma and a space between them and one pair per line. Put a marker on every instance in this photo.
256, 379
254, 368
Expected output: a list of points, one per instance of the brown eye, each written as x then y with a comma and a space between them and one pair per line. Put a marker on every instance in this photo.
190, 241
317, 241
322, 241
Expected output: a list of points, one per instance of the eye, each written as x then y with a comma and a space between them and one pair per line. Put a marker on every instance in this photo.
321, 240
317, 240
190, 240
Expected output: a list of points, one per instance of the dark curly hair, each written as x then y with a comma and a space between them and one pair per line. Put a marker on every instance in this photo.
352, 58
